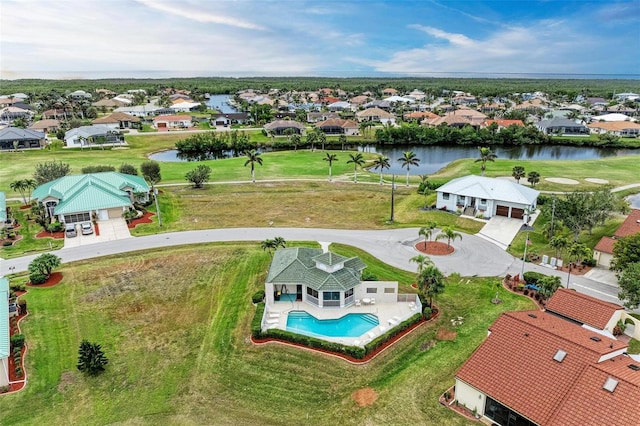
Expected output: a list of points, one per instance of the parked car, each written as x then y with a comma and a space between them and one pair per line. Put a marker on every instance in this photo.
86, 228
70, 230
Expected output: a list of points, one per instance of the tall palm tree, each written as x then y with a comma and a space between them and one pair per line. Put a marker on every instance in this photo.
422, 261
485, 155
448, 233
295, 140
312, 138
330, 158
253, 157
358, 160
431, 282
381, 162
268, 245
427, 232
518, 173
559, 243
19, 186
29, 185
408, 159
320, 136
343, 141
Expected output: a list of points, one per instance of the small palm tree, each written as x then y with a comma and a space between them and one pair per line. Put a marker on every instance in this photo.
279, 242
448, 233
357, 160
330, 158
558, 243
19, 186
382, 162
343, 141
422, 261
322, 138
431, 282
533, 178
408, 159
485, 155
268, 245
253, 157
518, 173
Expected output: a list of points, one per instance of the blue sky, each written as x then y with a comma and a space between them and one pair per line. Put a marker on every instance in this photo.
187, 38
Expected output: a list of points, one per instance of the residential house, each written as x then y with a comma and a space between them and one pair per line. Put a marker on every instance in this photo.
448, 120
492, 107
185, 106
110, 103
57, 114
611, 117
231, 118
338, 126
150, 109
603, 251
377, 103
536, 368
532, 106
417, 95
340, 106
627, 96
314, 117
97, 134
3, 210
595, 101
5, 330
479, 195
25, 138
398, 100
627, 129
389, 92
80, 94
118, 120
562, 126
419, 116
46, 126
166, 122
359, 100
377, 115
502, 124
281, 127
8, 114
77, 198
464, 100
105, 93
621, 109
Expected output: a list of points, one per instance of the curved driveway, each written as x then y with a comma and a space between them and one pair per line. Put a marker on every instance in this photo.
473, 256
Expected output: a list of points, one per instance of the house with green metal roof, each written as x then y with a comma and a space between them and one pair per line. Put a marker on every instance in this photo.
5, 349
76, 198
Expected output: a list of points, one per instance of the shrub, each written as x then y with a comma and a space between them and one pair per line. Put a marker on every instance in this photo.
4, 389
369, 276
258, 296
532, 277
17, 340
55, 227
427, 312
37, 278
256, 323
526, 292
7, 243
19, 371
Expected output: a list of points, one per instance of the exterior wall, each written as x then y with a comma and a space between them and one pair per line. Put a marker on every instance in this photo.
636, 322
380, 295
602, 258
351, 131
510, 205
469, 396
617, 316
268, 294
115, 213
4, 371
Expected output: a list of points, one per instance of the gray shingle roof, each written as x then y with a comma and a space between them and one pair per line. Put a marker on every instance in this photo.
15, 133
298, 266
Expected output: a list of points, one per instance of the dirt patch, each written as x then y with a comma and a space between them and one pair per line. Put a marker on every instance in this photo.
54, 279
145, 218
444, 334
47, 234
365, 397
434, 248
428, 345
67, 379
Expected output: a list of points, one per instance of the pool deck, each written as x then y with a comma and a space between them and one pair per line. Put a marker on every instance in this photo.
389, 314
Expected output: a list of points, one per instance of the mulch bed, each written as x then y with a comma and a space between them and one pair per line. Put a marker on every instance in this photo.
146, 218
434, 248
575, 270
47, 234
450, 404
25, 206
14, 387
54, 279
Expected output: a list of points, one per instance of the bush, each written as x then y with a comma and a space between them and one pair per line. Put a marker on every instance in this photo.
532, 277
17, 341
369, 276
7, 243
258, 296
427, 312
37, 278
55, 227
19, 371
256, 323
589, 262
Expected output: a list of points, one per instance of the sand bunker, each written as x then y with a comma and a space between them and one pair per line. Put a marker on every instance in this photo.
597, 180
563, 181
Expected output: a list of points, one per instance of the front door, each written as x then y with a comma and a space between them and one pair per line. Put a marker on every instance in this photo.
299, 293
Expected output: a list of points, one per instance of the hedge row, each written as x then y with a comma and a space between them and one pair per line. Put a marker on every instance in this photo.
356, 352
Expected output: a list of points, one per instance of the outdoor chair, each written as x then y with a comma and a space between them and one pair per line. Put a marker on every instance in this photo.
373, 300
357, 302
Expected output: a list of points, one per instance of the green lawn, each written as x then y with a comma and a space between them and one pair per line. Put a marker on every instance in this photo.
175, 325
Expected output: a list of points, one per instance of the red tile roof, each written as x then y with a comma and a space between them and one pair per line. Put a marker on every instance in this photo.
515, 364
630, 226
605, 245
338, 122
582, 308
172, 118
504, 123
590, 404
421, 114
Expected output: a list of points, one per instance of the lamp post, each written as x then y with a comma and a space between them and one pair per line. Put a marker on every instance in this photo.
155, 193
524, 256
569, 275
393, 187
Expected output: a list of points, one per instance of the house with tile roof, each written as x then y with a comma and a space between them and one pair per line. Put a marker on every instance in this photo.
46, 126
26, 138
536, 368
562, 126
338, 126
5, 343
88, 136
166, 122
603, 251
627, 129
280, 127
487, 196
502, 124
118, 120
376, 114
76, 198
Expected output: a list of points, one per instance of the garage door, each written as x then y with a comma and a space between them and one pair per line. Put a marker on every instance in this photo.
162, 125
502, 210
115, 213
517, 213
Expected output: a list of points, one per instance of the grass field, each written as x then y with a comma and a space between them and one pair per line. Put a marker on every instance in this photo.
175, 325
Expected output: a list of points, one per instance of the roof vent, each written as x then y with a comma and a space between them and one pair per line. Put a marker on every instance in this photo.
634, 367
559, 356
610, 384
533, 315
595, 338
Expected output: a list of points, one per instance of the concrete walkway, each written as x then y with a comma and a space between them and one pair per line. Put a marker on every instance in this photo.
501, 231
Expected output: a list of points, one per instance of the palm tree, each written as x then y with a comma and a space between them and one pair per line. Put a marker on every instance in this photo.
29, 185
408, 159
358, 160
559, 243
279, 242
518, 173
431, 282
268, 245
312, 138
295, 140
533, 178
253, 157
485, 155
579, 252
448, 233
343, 140
19, 186
382, 162
320, 136
427, 232
422, 261
330, 158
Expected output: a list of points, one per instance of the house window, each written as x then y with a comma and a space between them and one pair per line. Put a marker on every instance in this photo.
312, 292
372, 290
330, 295
504, 415
348, 293
75, 218
445, 195
389, 290
483, 201
461, 199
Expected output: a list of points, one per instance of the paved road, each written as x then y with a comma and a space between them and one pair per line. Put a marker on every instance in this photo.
473, 256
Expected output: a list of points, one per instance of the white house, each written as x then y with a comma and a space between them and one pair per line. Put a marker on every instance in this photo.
96, 134
172, 122
5, 346
479, 195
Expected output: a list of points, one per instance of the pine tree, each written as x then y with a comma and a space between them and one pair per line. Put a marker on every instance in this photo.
91, 358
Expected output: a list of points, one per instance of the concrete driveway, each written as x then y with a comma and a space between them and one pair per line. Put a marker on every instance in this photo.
110, 230
501, 231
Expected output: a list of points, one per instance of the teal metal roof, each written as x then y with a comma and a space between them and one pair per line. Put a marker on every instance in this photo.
4, 318
3, 207
298, 266
79, 193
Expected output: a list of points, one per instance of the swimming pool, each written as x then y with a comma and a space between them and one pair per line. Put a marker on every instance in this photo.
350, 325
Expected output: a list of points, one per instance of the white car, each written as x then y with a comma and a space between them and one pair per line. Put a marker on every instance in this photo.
86, 228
